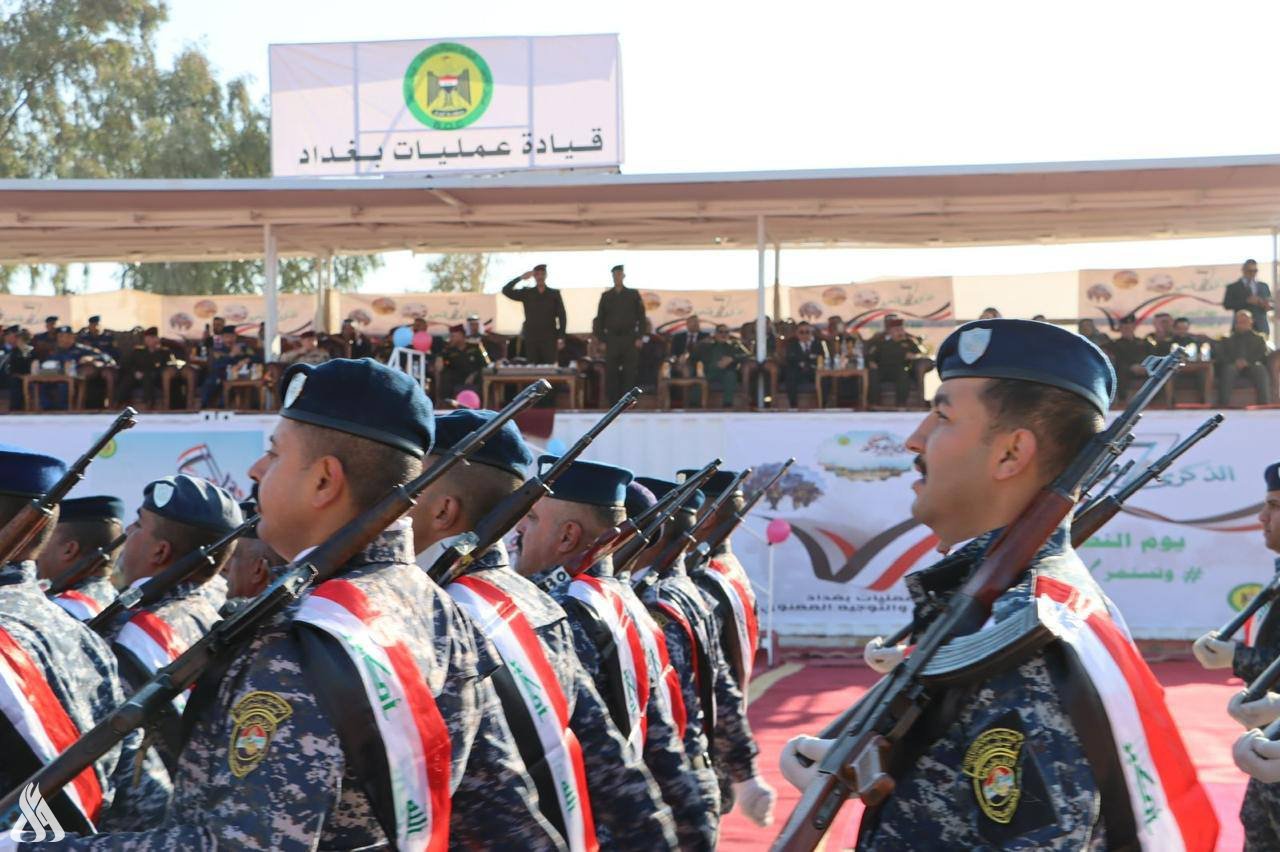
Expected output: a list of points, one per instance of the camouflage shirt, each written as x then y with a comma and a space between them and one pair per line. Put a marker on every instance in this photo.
81, 672
98, 588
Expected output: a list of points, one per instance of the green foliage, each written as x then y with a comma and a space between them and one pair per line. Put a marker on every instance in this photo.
458, 273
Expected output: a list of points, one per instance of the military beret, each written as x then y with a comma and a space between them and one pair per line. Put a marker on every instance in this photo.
12, 329
661, 487
506, 450
719, 481
24, 473
64, 329
94, 319
1032, 352
151, 331
541, 266
195, 502
1272, 475
592, 483
50, 319
639, 498
617, 268
473, 318
457, 328
92, 509
361, 397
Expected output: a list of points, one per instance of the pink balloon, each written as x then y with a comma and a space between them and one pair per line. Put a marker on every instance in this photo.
778, 531
470, 399
422, 341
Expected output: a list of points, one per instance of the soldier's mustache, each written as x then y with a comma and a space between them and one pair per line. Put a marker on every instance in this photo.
920, 466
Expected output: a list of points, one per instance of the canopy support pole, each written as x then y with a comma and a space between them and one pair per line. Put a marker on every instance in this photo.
1275, 287
270, 329
761, 349
777, 281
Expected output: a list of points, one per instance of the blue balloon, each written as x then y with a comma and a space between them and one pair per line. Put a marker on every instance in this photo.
556, 447
402, 336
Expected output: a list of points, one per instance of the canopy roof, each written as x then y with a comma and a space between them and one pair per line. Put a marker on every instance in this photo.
136, 220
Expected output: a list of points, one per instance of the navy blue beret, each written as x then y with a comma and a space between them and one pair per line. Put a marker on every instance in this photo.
715, 486
592, 483
639, 498
661, 487
505, 450
24, 473
1272, 475
92, 509
194, 502
1032, 352
361, 397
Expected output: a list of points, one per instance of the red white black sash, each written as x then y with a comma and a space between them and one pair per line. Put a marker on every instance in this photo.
745, 623
607, 605
662, 675
154, 644
410, 726
35, 713
499, 618
80, 605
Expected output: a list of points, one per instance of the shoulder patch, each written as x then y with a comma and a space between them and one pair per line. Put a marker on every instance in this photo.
1008, 783
255, 719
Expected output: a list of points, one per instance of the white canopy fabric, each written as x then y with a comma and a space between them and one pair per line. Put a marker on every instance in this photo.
137, 220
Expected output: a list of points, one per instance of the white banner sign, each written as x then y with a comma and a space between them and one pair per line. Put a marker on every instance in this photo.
1194, 292
926, 305
378, 314
443, 105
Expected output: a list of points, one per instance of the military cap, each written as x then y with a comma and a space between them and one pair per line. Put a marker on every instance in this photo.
506, 450
64, 329
361, 397
195, 502
661, 487
94, 319
540, 266
24, 473
1032, 352
151, 331
1272, 475
458, 328
12, 329
473, 318
50, 318
307, 334
592, 483
617, 268
719, 481
639, 498
92, 509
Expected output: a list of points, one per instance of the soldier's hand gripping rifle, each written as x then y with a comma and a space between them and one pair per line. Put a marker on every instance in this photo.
721, 533
688, 539
628, 553
502, 518
230, 634
856, 763
85, 566
23, 527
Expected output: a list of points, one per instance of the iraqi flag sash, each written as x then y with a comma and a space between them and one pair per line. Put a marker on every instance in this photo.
608, 606
410, 726
1171, 810
745, 623
78, 604
662, 675
154, 644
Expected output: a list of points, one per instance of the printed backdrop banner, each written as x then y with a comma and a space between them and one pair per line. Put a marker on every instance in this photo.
445, 105
668, 309
926, 304
187, 316
30, 311
377, 313
1194, 292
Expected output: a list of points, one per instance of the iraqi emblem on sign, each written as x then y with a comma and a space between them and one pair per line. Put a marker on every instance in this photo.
448, 86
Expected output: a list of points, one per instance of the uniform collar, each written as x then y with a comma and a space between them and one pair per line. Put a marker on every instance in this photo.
18, 572
494, 557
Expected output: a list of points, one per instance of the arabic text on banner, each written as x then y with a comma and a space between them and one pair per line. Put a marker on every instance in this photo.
927, 305
378, 314
1194, 292
187, 316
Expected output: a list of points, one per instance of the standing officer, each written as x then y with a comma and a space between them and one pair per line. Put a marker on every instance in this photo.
544, 316
615, 809
84, 525
59, 679
619, 324
1014, 758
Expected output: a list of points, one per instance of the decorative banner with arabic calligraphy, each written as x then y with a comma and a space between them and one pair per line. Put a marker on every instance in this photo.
377, 314
1194, 292
30, 311
187, 316
926, 304
668, 309
445, 105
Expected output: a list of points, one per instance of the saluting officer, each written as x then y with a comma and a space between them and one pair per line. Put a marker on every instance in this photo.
544, 316
84, 525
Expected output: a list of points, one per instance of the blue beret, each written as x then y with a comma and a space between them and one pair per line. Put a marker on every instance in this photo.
194, 502
715, 486
1032, 352
639, 498
661, 487
363, 398
1272, 475
92, 509
592, 483
27, 474
505, 450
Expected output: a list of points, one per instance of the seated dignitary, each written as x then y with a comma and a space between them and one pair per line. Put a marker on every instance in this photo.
57, 680
577, 744
1066, 747
85, 524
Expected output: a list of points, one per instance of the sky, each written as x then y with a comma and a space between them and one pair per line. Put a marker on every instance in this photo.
719, 86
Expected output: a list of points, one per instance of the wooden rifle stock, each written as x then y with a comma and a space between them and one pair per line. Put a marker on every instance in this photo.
659, 514
23, 527
721, 533
228, 635
689, 538
85, 566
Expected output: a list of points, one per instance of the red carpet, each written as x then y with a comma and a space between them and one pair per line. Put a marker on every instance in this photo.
803, 702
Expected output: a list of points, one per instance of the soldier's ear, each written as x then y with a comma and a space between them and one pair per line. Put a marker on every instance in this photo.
570, 537
70, 550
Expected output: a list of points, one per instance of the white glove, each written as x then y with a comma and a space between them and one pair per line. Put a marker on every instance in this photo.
755, 799
1254, 714
1257, 756
796, 773
882, 659
1212, 652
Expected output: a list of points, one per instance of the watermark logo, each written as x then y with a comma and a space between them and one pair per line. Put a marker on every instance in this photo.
36, 814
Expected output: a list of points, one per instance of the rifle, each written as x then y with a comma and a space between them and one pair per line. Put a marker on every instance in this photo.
1261, 599
676, 548
1104, 466
721, 533
23, 527
85, 566
502, 518
855, 764
229, 635
647, 536
154, 588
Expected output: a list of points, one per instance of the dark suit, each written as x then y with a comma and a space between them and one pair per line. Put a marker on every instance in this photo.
544, 320
1236, 298
802, 365
684, 342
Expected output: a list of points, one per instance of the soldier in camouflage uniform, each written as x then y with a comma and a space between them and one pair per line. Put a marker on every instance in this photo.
84, 525
624, 802
76, 668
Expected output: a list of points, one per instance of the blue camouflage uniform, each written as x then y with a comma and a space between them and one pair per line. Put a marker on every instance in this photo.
97, 588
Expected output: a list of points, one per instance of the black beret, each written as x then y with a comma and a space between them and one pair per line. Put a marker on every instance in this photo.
593, 483
1272, 475
661, 487
617, 268
715, 486
13, 329
506, 450
541, 266
1032, 352
94, 319
151, 331
50, 319
361, 397
92, 509
195, 502
24, 473
64, 329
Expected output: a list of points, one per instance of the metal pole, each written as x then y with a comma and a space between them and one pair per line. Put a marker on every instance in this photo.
761, 348
321, 323
1275, 287
777, 280
270, 341
772, 637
